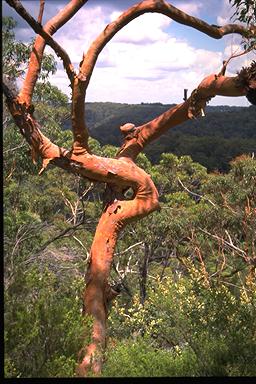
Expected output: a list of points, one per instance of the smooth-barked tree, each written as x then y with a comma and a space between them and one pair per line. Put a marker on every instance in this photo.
121, 173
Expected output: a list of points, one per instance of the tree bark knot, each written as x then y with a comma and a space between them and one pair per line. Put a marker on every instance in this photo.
129, 131
197, 104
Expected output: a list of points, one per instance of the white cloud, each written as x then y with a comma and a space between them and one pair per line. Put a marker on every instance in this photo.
143, 62
226, 12
152, 73
191, 8
145, 29
80, 31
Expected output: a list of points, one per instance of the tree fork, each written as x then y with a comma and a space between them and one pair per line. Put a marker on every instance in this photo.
119, 173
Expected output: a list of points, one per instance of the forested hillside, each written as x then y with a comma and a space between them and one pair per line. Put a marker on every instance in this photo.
213, 141
185, 274
187, 302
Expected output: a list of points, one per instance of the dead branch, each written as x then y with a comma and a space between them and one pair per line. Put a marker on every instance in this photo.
60, 235
229, 244
23, 144
195, 194
235, 55
129, 248
82, 245
122, 279
143, 272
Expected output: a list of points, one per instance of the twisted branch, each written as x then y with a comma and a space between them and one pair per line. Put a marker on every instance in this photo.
120, 173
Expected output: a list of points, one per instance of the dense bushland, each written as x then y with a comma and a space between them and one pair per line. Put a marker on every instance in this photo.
187, 301
187, 287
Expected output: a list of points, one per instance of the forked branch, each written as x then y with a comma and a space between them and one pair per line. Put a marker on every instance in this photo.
36, 26
120, 173
25, 95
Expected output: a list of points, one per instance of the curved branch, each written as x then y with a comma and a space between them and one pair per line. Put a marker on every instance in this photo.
36, 56
45, 35
211, 86
154, 6
90, 58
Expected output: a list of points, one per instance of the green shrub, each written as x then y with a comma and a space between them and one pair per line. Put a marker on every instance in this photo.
185, 328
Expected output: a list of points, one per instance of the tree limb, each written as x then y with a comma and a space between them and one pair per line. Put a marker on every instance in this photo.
36, 26
157, 6
41, 11
211, 86
89, 60
119, 173
50, 27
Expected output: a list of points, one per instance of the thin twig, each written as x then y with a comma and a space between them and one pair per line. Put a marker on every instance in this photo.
231, 245
129, 248
23, 144
122, 279
57, 237
225, 63
82, 245
196, 194
41, 11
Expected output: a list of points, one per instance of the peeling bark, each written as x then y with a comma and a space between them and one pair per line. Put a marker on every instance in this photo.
120, 173
97, 296
211, 86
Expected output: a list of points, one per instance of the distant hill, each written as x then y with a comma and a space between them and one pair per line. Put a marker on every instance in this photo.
224, 133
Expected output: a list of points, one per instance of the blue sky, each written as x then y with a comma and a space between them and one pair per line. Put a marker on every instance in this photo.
151, 60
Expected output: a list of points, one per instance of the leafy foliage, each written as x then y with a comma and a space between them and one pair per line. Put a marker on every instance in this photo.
199, 312
185, 329
245, 11
187, 304
16, 54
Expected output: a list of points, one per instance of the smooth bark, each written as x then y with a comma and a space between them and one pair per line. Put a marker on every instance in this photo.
120, 173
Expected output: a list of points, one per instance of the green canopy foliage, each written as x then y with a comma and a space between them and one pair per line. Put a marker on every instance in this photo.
187, 272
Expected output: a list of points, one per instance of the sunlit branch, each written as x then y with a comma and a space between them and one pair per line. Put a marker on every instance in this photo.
45, 35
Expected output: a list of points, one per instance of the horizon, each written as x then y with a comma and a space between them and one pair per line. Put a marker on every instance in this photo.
159, 103
166, 56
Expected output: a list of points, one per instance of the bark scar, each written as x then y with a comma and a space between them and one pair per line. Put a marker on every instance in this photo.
114, 207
